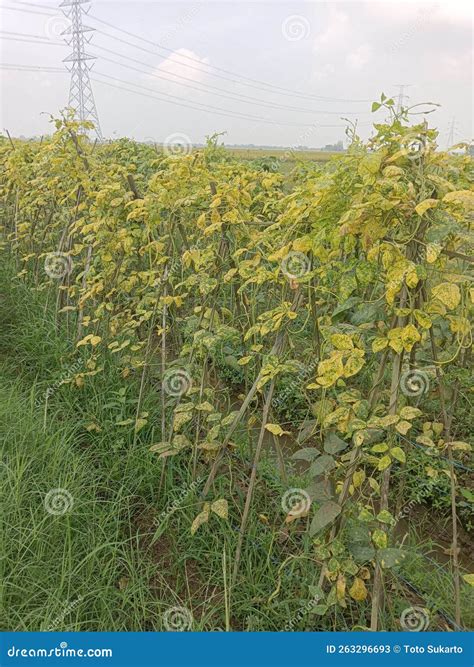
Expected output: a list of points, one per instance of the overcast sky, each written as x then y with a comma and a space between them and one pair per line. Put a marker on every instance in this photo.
255, 70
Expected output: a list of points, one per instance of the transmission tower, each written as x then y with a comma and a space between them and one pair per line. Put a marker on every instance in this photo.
452, 132
81, 97
401, 96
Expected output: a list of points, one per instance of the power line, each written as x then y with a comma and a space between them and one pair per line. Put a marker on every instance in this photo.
193, 87
273, 88
26, 11
181, 101
32, 41
241, 98
32, 68
207, 107
246, 99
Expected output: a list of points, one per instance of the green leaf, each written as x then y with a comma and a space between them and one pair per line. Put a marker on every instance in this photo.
385, 517
324, 516
319, 609
390, 556
320, 491
324, 463
333, 444
306, 454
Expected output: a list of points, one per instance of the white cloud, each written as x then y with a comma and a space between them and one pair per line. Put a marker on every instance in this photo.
324, 72
183, 63
334, 34
405, 11
359, 57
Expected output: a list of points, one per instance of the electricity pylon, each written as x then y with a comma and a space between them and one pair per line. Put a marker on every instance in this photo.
401, 96
81, 97
452, 132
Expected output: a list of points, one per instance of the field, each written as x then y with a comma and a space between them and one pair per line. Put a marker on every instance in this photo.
234, 395
282, 154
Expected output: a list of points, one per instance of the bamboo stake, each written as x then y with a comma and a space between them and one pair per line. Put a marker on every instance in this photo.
253, 477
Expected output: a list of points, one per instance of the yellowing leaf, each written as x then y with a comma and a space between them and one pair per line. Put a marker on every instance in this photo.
422, 318
409, 335
403, 427
302, 245
379, 538
464, 197
342, 342
221, 508
341, 590
412, 278
276, 429
379, 344
202, 517
398, 453
357, 478
409, 412
229, 275
448, 293
244, 361
426, 205
384, 462
140, 423
204, 407
354, 363
89, 339
358, 590
469, 579
433, 251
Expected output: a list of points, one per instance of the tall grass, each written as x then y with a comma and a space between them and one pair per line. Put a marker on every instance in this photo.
122, 554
